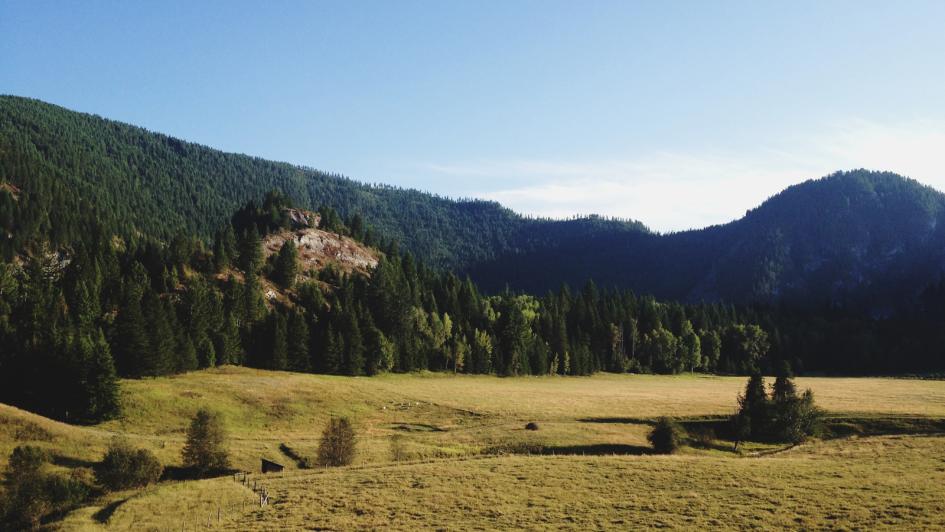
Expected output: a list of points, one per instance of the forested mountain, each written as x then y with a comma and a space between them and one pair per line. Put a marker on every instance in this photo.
128, 253
143, 182
865, 240
284, 288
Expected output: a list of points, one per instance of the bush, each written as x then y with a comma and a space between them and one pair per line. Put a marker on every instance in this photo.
338, 443
205, 450
667, 436
125, 467
795, 418
531, 426
31, 493
398, 450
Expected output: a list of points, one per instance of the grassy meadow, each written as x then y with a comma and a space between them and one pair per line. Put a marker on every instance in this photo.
451, 452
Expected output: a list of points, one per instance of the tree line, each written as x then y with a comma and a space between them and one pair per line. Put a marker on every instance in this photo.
74, 319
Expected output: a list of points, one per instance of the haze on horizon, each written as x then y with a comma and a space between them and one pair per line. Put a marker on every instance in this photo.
678, 115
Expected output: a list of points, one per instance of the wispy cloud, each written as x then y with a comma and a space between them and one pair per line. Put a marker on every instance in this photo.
674, 191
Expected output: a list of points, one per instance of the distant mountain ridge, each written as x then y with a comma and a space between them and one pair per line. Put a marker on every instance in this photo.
863, 239
866, 239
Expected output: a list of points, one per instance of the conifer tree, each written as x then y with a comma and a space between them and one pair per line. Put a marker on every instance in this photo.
298, 342
131, 337
354, 346
99, 381
333, 352
286, 265
279, 346
159, 357
250, 252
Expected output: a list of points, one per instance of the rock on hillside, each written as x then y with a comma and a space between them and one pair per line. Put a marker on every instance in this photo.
318, 248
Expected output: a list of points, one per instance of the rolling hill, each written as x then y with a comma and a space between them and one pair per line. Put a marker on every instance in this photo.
863, 239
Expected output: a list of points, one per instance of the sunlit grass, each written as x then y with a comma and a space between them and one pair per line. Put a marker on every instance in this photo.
448, 428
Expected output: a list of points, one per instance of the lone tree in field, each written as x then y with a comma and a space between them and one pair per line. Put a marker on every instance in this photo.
338, 442
205, 449
667, 436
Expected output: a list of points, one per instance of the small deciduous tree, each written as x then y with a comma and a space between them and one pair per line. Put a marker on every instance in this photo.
337, 447
205, 450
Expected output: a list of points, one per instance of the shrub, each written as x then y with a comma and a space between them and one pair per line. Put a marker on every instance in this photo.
338, 443
398, 450
125, 467
531, 426
795, 418
31, 493
667, 436
205, 450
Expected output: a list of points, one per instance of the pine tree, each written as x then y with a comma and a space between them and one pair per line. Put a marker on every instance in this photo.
226, 342
354, 346
250, 252
333, 352
280, 346
784, 389
753, 412
99, 382
131, 338
298, 341
286, 265
158, 357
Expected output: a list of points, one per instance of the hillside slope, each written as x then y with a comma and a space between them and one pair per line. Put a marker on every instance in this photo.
151, 183
864, 239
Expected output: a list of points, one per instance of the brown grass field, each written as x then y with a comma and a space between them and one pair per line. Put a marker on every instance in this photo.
461, 442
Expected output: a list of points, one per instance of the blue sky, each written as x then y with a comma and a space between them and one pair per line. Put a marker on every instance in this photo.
679, 114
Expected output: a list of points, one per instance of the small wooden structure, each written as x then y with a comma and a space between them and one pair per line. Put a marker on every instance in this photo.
271, 467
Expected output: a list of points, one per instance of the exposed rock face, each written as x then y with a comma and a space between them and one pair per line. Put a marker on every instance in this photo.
318, 248
303, 219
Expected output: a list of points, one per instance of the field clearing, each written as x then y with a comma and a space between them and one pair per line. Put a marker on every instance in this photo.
868, 483
449, 429
895, 482
437, 414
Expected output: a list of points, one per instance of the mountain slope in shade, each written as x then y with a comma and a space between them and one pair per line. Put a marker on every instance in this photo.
868, 239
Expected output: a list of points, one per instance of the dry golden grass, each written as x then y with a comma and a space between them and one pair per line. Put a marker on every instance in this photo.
443, 424
870, 483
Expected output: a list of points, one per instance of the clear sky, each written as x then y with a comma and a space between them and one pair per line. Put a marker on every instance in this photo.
679, 114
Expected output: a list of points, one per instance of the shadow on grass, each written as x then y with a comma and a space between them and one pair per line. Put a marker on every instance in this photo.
68, 461
596, 449
624, 420
844, 427
415, 427
103, 515
302, 462
189, 473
